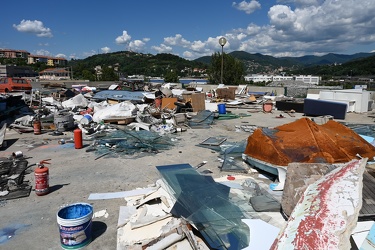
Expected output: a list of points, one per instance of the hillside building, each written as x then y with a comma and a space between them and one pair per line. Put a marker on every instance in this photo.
11, 53
32, 59
50, 61
55, 74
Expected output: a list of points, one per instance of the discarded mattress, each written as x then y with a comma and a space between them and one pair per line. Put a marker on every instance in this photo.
305, 141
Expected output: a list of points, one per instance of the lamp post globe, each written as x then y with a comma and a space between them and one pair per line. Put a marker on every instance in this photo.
222, 42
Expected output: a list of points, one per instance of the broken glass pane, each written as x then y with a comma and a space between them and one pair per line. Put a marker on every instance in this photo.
131, 143
232, 154
203, 119
207, 205
213, 141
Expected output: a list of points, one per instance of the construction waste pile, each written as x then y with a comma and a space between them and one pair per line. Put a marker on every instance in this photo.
321, 175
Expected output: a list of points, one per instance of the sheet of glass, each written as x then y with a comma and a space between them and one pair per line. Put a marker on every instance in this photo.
362, 129
130, 143
203, 119
213, 141
232, 153
206, 204
234, 164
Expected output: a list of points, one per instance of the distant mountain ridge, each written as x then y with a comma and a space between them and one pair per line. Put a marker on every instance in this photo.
329, 64
303, 61
330, 58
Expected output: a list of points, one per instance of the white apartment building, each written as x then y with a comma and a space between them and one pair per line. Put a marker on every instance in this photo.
308, 79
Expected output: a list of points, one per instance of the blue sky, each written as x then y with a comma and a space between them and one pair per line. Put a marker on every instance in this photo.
189, 29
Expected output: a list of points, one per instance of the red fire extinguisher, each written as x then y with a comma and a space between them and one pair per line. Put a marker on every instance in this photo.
42, 178
78, 138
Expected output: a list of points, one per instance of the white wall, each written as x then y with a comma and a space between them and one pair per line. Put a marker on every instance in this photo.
357, 99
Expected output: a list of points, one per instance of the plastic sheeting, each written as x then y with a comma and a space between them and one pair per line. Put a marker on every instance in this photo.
121, 95
76, 101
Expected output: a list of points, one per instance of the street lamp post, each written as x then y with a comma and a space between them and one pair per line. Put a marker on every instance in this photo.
222, 42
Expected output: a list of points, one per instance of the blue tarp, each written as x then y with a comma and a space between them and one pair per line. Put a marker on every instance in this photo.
120, 95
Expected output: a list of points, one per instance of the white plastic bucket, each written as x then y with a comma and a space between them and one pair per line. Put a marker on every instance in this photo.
75, 223
86, 119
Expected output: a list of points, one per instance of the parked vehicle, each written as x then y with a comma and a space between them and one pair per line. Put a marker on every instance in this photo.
14, 84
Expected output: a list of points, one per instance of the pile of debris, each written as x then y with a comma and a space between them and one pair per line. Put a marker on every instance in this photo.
12, 172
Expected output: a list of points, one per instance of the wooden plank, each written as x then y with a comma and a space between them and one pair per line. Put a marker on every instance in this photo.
226, 93
119, 120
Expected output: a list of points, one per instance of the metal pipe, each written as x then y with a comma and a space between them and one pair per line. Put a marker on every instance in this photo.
222, 63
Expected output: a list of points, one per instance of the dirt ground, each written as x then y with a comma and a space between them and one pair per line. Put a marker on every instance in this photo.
75, 174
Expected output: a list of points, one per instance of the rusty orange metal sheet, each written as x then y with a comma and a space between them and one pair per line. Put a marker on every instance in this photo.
307, 142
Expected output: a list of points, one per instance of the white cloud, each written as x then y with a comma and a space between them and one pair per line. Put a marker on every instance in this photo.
302, 3
43, 52
310, 27
188, 54
36, 27
198, 46
136, 45
304, 27
248, 7
162, 48
123, 39
177, 40
281, 16
88, 53
60, 55
105, 50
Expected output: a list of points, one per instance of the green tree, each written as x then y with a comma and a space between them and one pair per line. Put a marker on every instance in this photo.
87, 75
108, 74
171, 76
233, 70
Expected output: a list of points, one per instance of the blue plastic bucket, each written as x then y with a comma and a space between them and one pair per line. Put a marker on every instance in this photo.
75, 223
222, 109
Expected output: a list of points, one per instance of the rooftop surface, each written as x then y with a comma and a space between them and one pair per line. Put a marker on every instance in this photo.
74, 174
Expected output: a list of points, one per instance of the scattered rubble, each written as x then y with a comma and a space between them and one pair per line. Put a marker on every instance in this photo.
303, 163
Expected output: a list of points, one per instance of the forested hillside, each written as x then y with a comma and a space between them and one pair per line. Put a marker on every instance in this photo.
131, 63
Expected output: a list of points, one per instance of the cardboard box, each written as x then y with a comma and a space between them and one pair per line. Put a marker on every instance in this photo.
197, 100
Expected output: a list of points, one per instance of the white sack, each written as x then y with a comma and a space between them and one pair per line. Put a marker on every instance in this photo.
76, 101
122, 109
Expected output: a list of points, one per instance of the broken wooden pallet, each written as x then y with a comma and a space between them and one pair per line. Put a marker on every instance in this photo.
119, 120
